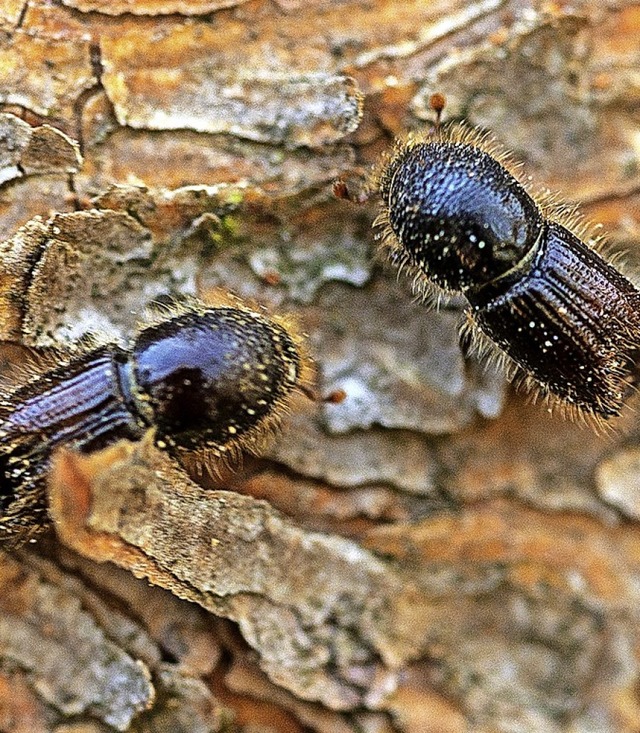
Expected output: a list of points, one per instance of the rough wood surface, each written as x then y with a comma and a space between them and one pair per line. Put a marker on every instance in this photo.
433, 554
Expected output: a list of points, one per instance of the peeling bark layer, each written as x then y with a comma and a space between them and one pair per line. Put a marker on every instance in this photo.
431, 554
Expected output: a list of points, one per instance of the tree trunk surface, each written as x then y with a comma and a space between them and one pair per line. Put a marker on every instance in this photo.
434, 553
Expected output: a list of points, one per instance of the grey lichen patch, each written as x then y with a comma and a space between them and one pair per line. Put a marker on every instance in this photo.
400, 365
524, 660
102, 266
303, 270
72, 664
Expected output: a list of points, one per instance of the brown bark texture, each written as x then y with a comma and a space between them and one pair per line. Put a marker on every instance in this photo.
432, 554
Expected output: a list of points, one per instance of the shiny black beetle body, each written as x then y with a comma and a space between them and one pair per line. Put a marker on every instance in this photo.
552, 304
204, 378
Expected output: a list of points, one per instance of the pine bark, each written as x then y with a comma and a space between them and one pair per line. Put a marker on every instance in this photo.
434, 553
